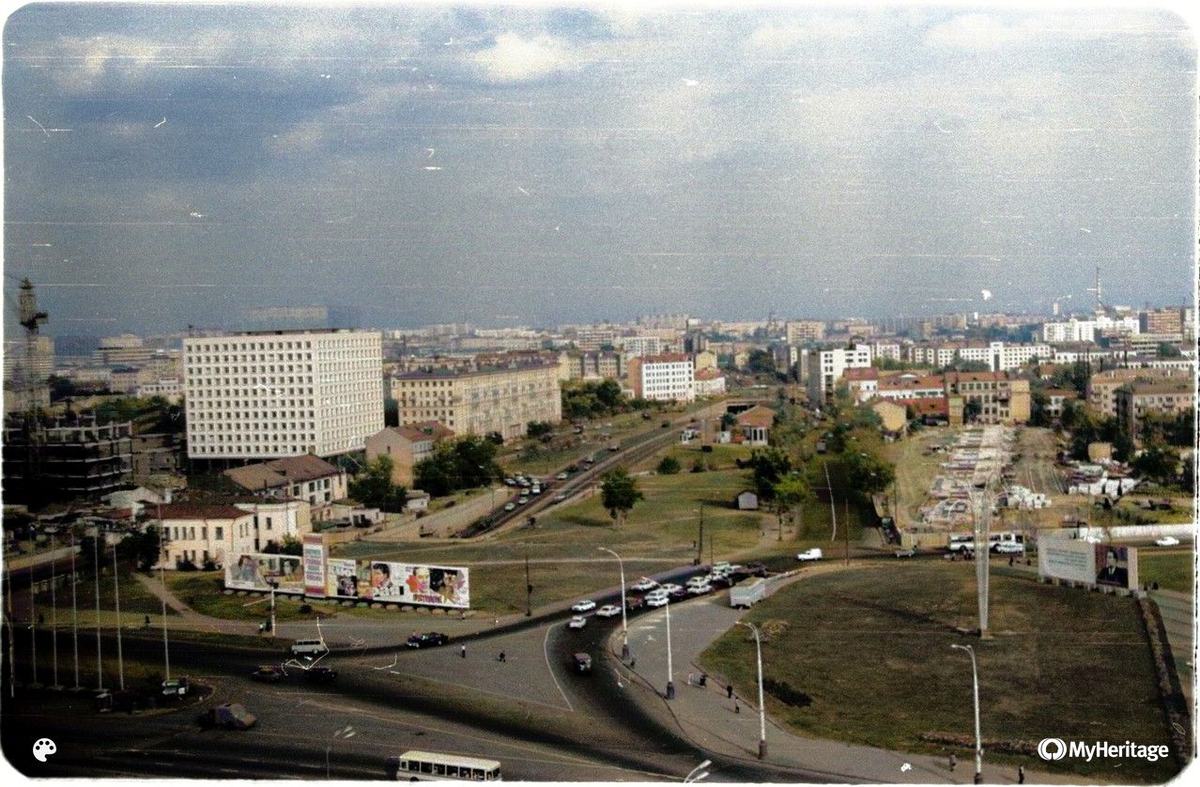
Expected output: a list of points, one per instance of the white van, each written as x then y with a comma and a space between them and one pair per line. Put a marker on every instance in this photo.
657, 598
309, 647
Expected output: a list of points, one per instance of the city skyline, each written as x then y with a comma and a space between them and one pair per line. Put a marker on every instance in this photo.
178, 165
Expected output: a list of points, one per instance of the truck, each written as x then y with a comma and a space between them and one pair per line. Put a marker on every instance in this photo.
748, 592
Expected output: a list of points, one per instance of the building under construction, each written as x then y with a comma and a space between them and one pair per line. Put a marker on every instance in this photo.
59, 460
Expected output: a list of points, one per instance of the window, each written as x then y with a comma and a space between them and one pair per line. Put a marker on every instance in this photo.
220, 533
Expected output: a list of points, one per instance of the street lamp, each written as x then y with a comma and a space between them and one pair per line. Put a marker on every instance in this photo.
670, 668
346, 732
978, 740
694, 775
762, 710
983, 524
624, 622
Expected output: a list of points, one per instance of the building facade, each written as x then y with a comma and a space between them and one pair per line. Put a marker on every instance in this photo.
830, 365
283, 393
482, 400
406, 446
670, 378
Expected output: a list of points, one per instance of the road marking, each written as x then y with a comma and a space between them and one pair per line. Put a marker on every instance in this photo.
553, 677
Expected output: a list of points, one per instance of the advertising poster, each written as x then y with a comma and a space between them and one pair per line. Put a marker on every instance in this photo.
341, 576
314, 565
1071, 560
402, 583
1116, 566
258, 571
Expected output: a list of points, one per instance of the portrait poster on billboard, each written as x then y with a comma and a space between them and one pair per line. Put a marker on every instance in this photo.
314, 565
256, 571
1116, 565
403, 583
341, 576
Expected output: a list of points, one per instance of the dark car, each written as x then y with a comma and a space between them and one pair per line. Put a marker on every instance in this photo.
581, 663
726, 581
428, 640
756, 569
268, 674
678, 593
634, 602
230, 716
320, 674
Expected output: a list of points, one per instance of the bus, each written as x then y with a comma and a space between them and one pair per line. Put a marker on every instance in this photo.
432, 766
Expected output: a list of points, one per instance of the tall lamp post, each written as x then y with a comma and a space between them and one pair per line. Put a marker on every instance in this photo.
762, 710
983, 522
624, 622
978, 739
670, 668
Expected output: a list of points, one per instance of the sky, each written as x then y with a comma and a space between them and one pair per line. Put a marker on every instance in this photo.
533, 165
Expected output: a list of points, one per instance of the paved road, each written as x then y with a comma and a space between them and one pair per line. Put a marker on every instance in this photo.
1179, 619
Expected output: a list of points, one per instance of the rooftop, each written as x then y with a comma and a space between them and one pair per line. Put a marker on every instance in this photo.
281, 472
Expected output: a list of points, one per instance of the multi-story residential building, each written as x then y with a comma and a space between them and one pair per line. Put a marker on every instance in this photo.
406, 446
170, 390
663, 377
1143, 343
829, 367
308, 478
1001, 357
65, 460
596, 366
1102, 387
709, 382
801, 331
1168, 321
199, 532
889, 350
590, 339
1000, 398
935, 356
18, 356
1056, 400
1075, 330
1135, 400
282, 393
705, 359
639, 346
481, 400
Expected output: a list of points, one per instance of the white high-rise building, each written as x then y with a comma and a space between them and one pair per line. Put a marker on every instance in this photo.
641, 346
669, 377
271, 394
1075, 331
830, 366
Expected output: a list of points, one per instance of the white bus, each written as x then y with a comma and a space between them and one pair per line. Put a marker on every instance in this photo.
431, 766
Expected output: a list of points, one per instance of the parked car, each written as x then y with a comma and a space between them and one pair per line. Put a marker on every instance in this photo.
577, 622
522, 500
510, 506
561, 476
176, 687
699, 589
644, 584
657, 598
810, 554
561, 496
309, 647
229, 716
581, 663
1167, 541
268, 674
320, 674
756, 569
587, 605
634, 602
428, 640
910, 552
608, 611
677, 592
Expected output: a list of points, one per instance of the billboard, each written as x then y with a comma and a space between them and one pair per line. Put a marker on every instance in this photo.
314, 565
258, 571
344, 578
1085, 562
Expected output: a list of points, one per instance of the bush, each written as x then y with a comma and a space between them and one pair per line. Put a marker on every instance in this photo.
185, 565
668, 466
698, 466
707, 449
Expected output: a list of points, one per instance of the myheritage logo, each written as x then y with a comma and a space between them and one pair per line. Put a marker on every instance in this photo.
1052, 749
1057, 748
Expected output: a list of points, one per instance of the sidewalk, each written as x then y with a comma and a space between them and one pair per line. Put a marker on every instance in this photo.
1179, 618
707, 717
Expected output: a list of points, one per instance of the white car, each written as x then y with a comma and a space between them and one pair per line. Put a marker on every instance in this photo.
577, 622
644, 585
608, 611
561, 476
810, 554
510, 506
657, 598
587, 605
559, 497
670, 588
699, 589
1167, 541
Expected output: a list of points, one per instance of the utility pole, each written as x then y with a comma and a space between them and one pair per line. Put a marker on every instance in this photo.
12, 670
74, 612
162, 576
53, 619
978, 737
832, 506
33, 626
117, 603
670, 670
700, 543
96, 571
762, 710
528, 586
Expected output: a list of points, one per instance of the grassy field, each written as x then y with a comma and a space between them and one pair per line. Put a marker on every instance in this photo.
135, 599
871, 649
1171, 570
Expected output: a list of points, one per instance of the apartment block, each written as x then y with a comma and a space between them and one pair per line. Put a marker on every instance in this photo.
481, 400
66, 460
663, 377
640, 346
1102, 387
1168, 321
1135, 400
406, 446
282, 393
829, 367
308, 478
1000, 398
801, 331
1002, 357
1074, 330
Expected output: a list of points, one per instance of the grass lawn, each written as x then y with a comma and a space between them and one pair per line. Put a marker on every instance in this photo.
203, 591
135, 599
871, 649
1171, 570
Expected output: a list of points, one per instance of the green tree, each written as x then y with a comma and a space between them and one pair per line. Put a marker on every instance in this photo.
791, 494
767, 466
538, 428
1168, 350
618, 493
869, 472
373, 486
761, 362
142, 548
1158, 462
668, 465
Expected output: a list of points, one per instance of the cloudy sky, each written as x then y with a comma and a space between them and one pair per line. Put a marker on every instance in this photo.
180, 164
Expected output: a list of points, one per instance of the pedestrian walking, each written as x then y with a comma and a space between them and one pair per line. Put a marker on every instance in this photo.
632, 662
501, 657
462, 650
953, 762
737, 706
1021, 774
729, 691
147, 621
